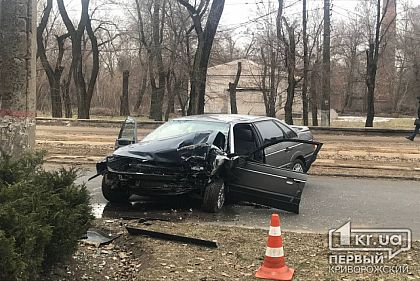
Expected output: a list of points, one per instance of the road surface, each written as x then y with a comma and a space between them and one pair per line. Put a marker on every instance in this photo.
327, 202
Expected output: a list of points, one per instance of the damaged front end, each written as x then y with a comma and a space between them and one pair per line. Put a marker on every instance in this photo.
167, 167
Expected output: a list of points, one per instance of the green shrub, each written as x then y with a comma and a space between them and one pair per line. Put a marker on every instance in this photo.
42, 217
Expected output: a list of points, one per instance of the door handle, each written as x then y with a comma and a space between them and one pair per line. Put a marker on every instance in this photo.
289, 182
287, 149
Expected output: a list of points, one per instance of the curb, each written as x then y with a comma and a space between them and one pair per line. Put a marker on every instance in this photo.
153, 124
92, 122
364, 176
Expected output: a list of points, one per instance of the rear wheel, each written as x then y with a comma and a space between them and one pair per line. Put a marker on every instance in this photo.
113, 193
214, 196
298, 166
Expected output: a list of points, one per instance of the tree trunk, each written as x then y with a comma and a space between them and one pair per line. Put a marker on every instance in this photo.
288, 107
264, 83
56, 105
349, 85
124, 107
232, 90
158, 91
65, 89
273, 89
171, 97
314, 93
370, 83
291, 68
141, 92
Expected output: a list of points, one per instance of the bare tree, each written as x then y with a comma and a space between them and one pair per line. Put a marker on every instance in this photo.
289, 43
53, 74
155, 57
372, 55
84, 91
205, 37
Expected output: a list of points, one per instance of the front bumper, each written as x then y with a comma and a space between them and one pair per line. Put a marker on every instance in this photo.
151, 179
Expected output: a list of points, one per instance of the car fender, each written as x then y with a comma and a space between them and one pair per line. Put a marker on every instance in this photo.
295, 156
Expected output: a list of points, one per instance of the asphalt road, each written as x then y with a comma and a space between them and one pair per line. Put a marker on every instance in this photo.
327, 202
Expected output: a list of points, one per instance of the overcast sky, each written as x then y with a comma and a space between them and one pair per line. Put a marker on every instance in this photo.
239, 15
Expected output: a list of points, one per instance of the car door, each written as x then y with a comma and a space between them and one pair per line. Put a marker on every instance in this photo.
128, 133
277, 154
251, 181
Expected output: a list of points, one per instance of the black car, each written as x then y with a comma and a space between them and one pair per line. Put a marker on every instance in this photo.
242, 157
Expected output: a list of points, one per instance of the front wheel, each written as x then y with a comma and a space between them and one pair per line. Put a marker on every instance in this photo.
214, 196
113, 194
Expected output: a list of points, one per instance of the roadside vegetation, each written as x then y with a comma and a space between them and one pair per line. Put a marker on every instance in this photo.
42, 217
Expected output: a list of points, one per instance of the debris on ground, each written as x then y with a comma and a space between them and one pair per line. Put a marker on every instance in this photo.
97, 238
240, 253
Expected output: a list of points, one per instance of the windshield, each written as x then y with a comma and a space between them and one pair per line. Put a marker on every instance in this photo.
179, 127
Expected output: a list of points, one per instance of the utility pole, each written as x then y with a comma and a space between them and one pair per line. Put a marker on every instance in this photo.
305, 66
17, 76
326, 69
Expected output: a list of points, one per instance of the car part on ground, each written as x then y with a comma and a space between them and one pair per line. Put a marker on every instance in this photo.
97, 237
171, 237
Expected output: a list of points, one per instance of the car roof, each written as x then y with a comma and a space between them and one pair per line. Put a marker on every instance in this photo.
226, 118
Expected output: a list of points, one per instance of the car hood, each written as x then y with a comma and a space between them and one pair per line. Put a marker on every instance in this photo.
168, 150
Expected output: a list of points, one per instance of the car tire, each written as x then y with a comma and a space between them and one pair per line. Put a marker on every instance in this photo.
298, 166
214, 196
113, 195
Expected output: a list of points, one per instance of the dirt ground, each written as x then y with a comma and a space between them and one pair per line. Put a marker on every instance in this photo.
239, 254
343, 155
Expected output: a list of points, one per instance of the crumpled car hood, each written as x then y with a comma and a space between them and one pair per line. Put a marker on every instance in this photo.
166, 150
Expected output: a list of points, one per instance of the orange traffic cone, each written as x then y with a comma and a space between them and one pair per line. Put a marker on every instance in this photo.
274, 266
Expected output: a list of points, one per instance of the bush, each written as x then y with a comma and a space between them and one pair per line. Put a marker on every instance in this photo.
42, 217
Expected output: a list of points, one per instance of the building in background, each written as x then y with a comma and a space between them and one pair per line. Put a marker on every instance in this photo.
249, 94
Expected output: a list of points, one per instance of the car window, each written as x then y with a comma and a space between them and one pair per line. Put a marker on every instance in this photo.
180, 127
289, 133
269, 131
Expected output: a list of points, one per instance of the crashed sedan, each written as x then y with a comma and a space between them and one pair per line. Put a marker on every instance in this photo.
244, 158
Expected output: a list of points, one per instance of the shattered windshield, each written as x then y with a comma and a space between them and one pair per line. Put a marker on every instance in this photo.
179, 127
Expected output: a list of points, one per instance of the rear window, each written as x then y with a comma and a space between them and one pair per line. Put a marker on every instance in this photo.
269, 131
289, 133
179, 127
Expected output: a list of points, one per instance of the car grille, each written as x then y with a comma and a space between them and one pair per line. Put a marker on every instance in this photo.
133, 165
